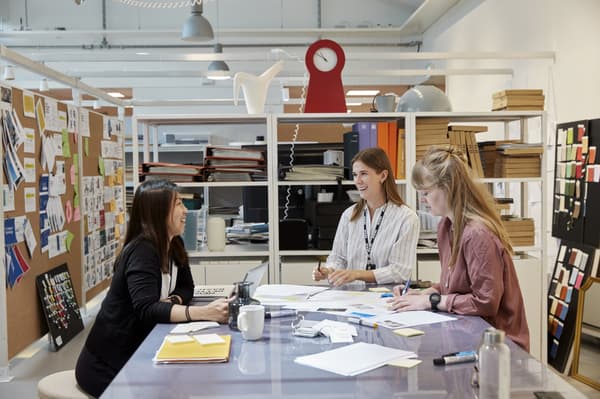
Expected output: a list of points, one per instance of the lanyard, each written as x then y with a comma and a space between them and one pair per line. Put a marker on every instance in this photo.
369, 245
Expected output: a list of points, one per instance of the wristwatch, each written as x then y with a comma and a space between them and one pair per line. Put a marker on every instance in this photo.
435, 299
174, 300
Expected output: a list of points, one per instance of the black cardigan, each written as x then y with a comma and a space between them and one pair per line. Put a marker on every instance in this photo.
132, 305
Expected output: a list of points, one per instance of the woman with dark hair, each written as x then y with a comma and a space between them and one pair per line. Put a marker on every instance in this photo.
478, 275
152, 283
376, 239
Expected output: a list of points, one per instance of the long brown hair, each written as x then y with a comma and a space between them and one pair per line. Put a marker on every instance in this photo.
445, 167
377, 159
149, 218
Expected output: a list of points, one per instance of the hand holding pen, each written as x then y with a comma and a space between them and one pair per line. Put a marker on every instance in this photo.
320, 272
402, 289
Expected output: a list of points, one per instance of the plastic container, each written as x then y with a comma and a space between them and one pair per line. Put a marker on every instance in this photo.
215, 231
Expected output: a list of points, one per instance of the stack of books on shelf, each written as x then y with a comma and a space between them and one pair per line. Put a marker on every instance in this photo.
234, 164
430, 131
488, 153
520, 230
518, 100
518, 160
175, 172
313, 172
502, 205
255, 232
464, 138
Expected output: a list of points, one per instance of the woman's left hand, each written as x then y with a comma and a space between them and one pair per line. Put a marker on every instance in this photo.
409, 302
341, 276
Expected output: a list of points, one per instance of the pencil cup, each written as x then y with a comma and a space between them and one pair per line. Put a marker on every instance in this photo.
215, 231
251, 321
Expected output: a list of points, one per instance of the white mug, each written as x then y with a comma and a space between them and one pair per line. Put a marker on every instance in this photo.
251, 321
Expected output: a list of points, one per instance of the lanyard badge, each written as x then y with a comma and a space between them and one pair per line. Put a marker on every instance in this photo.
369, 245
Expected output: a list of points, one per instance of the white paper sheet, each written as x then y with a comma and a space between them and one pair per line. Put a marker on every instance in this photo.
409, 319
353, 359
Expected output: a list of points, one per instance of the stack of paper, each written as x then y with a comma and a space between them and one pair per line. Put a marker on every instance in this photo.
353, 359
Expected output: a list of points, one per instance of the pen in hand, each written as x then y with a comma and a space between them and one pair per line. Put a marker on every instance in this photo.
406, 286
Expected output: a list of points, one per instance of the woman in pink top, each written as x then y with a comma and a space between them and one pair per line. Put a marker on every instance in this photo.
478, 275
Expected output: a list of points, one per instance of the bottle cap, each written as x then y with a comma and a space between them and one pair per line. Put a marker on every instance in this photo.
493, 336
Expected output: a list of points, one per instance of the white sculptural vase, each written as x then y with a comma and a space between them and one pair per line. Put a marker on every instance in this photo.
254, 87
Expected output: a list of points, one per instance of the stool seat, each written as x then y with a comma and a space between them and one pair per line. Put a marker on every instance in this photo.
61, 385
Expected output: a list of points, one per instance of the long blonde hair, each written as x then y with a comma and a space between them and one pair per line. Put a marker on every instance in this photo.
377, 159
445, 167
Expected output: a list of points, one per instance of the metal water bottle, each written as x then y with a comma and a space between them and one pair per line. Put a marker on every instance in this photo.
494, 366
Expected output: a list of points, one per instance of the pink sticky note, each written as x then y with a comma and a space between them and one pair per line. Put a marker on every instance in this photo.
72, 174
69, 211
76, 215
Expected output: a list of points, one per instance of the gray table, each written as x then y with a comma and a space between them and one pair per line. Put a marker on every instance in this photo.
266, 368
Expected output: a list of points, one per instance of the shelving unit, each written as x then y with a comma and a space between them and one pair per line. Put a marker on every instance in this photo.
509, 124
236, 258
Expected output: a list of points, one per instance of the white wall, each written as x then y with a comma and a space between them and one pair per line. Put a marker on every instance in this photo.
571, 83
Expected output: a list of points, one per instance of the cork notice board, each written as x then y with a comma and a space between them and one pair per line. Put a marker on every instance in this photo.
26, 321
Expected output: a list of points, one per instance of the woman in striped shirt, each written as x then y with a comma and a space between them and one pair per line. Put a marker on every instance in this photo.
376, 238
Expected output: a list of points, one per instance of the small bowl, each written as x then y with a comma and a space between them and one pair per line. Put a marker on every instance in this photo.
354, 195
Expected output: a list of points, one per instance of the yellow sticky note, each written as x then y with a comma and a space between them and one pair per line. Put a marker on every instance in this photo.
406, 363
120, 218
110, 181
379, 289
408, 332
113, 206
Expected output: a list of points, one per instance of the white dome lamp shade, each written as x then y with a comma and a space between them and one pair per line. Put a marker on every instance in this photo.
197, 28
424, 98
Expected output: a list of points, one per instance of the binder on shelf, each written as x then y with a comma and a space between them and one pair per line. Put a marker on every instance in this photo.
351, 148
171, 171
233, 153
193, 351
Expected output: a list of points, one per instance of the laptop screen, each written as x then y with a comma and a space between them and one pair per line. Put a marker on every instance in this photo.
255, 276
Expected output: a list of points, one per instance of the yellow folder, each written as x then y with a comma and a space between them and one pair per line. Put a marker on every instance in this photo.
193, 352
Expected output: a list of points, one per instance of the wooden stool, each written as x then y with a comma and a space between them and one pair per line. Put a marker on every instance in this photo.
61, 385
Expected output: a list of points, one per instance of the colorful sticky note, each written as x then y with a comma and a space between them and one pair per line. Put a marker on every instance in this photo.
406, 363
86, 146
66, 148
379, 289
69, 240
408, 332
101, 166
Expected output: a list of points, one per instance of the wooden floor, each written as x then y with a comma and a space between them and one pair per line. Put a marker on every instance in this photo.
37, 361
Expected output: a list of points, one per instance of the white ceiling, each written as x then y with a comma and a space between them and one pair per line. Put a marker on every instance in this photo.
141, 48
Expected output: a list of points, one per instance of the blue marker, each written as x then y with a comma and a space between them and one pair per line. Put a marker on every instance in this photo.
406, 286
456, 357
387, 295
361, 315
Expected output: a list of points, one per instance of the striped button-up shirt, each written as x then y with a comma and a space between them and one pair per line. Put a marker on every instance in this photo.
394, 251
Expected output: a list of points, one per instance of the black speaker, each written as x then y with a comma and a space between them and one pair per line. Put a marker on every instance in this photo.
293, 234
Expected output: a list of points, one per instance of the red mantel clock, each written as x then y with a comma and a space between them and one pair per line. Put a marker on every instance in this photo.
325, 60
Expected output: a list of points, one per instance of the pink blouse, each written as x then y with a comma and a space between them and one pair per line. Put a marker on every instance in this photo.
483, 281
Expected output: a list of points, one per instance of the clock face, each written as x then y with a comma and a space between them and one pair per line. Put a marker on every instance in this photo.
325, 59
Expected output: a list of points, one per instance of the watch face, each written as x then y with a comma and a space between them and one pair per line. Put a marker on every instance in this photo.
325, 59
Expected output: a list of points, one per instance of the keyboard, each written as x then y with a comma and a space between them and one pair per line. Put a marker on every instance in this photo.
213, 291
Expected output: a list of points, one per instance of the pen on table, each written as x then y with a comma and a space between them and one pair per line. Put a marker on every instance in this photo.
456, 357
362, 322
406, 285
280, 313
